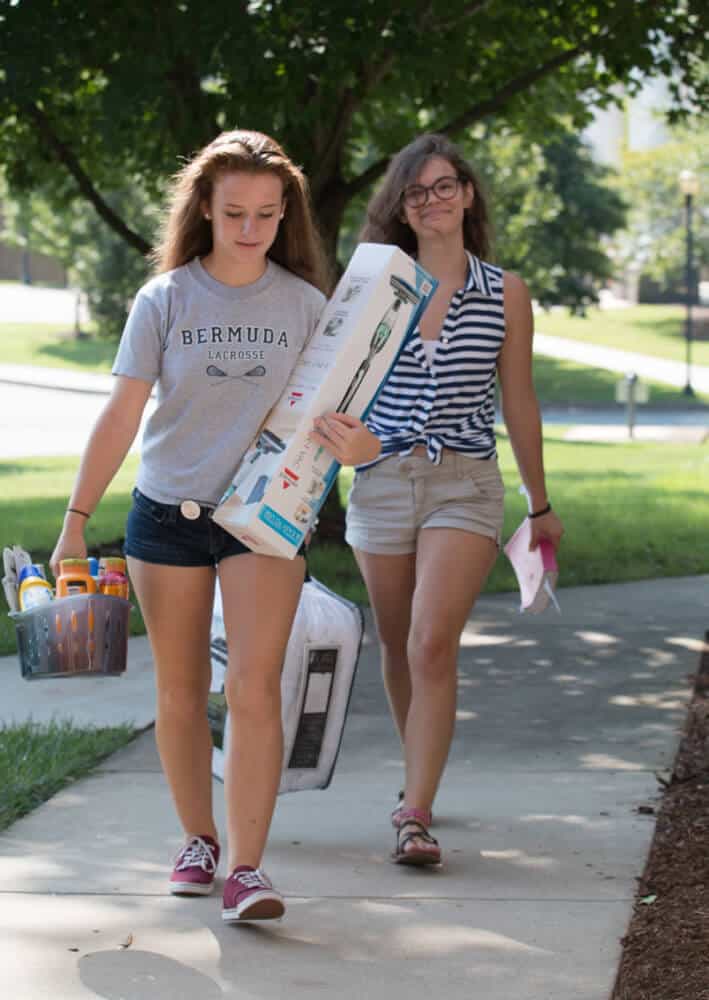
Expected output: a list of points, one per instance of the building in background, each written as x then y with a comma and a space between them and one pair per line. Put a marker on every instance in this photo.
29, 267
637, 124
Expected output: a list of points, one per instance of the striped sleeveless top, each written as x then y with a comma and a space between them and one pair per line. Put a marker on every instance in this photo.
449, 403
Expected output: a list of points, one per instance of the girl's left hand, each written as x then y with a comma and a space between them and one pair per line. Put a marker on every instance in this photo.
346, 438
547, 526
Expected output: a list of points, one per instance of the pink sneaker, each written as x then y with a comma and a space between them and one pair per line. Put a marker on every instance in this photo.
249, 895
195, 867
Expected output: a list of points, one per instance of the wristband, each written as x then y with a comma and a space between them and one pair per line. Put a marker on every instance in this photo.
75, 510
540, 513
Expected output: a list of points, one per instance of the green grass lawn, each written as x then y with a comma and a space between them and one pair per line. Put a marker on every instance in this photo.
53, 346
631, 512
37, 760
654, 330
565, 383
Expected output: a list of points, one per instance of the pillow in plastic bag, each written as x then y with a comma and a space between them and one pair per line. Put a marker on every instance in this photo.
316, 684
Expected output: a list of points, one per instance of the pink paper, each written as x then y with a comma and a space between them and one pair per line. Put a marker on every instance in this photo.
536, 571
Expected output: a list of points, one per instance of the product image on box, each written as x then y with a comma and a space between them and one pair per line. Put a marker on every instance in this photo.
402, 293
283, 479
316, 685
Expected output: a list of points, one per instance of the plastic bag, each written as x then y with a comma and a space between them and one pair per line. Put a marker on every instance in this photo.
316, 684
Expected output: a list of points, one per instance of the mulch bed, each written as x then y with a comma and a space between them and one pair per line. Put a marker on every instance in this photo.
666, 949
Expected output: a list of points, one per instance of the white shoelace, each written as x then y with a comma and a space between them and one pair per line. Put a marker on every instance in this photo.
198, 854
253, 880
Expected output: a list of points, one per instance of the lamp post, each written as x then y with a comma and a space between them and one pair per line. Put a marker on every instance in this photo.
689, 186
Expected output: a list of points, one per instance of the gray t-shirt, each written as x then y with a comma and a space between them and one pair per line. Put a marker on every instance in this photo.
221, 356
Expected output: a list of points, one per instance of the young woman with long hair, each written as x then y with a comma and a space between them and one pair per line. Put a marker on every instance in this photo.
238, 291
425, 520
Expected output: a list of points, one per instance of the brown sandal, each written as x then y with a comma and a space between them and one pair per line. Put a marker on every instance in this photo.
412, 827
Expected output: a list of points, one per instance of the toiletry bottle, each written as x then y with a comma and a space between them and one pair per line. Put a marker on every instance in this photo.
75, 578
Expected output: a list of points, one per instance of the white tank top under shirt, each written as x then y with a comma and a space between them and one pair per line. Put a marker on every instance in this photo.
441, 393
429, 347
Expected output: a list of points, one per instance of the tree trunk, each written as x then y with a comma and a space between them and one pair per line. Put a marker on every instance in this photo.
330, 205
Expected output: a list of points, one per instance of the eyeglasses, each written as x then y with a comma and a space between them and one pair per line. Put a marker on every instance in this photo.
416, 195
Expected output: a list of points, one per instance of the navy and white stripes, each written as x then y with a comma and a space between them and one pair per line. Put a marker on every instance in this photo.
451, 403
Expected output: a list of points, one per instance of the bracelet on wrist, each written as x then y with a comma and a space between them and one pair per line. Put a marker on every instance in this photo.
540, 513
75, 510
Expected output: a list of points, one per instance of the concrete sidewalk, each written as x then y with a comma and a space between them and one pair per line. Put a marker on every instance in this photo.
646, 366
562, 723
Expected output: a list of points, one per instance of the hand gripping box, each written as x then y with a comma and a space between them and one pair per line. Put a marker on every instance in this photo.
316, 685
284, 477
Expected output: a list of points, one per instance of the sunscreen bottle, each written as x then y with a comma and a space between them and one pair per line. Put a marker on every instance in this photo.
34, 591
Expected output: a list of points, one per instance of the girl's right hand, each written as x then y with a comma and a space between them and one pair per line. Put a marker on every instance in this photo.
71, 544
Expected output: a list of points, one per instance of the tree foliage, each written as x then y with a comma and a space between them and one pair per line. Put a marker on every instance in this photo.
97, 259
554, 212
101, 92
653, 242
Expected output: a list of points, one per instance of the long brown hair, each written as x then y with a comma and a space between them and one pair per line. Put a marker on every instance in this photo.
385, 222
186, 234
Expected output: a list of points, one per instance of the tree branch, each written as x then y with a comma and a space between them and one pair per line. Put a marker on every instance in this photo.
370, 74
472, 8
186, 115
510, 90
83, 181
475, 113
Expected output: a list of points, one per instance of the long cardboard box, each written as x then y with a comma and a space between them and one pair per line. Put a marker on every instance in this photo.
283, 479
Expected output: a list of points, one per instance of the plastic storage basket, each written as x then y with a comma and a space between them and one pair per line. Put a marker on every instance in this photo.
86, 634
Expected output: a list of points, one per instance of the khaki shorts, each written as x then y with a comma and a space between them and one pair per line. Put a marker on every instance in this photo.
393, 500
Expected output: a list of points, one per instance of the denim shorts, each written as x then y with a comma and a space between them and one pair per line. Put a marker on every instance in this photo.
160, 533
390, 502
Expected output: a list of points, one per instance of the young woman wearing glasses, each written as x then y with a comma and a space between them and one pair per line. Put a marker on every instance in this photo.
425, 519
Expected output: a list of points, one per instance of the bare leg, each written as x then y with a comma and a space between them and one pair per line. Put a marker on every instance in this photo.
260, 596
451, 569
176, 602
390, 584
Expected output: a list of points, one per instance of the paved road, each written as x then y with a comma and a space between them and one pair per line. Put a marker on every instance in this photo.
42, 420
31, 304
45, 421
50, 411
